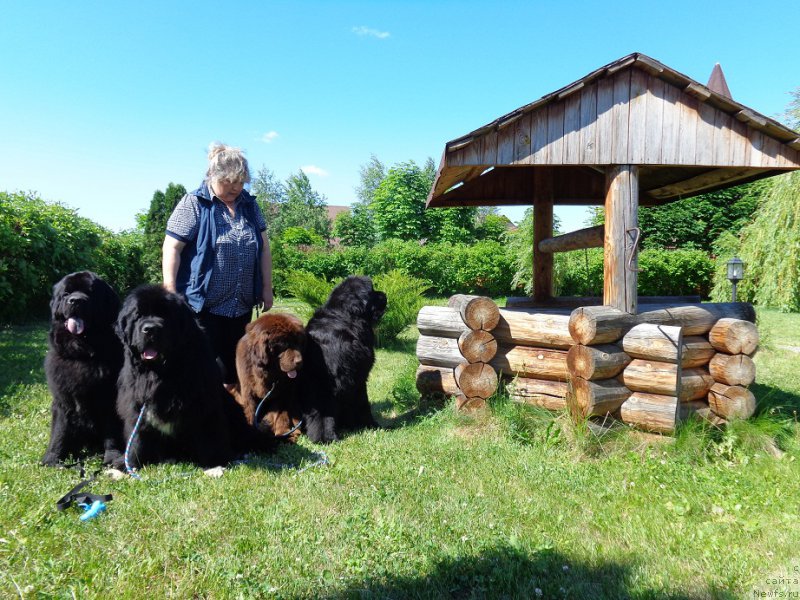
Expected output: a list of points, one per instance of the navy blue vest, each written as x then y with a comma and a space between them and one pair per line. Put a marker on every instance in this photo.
197, 257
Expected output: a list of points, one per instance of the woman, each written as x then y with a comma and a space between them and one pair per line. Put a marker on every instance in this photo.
216, 253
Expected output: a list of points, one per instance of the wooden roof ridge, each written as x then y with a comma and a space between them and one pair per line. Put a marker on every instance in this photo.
703, 93
716, 82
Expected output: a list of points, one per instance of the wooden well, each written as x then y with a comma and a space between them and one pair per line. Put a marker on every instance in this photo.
632, 132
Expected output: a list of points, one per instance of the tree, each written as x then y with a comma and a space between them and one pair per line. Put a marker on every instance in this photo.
303, 207
770, 249
154, 226
270, 195
355, 228
399, 208
398, 204
698, 221
371, 175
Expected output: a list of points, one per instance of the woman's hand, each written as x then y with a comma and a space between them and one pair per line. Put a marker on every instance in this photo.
267, 301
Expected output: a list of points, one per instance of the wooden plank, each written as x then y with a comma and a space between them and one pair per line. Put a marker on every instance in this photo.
671, 124
654, 122
591, 237
555, 132
688, 129
473, 153
572, 127
588, 137
542, 230
505, 145
707, 180
539, 149
622, 90
637, 117
619, 263
522, 140
770, 152
605, 121
739, 143
723, 148
704, 145
490, 148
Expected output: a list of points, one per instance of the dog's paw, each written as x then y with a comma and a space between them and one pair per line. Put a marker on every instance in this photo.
215, 472
114, 474
50, 460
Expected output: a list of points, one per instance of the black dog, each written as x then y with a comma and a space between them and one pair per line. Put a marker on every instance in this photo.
338, 358
82, 363
170, 369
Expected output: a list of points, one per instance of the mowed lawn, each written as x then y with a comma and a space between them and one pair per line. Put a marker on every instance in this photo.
510, 504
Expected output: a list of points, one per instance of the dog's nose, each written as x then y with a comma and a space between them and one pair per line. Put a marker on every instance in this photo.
148, 327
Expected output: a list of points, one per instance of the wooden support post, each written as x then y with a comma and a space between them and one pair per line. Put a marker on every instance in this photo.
621, 235
542, 230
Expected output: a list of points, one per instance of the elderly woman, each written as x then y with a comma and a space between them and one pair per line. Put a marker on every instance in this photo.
216, 253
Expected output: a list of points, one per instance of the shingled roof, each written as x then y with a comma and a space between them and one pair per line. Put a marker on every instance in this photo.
686, 138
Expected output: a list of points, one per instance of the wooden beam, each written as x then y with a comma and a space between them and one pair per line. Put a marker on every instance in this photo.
542, 230
694, 185
591, 237
621, 234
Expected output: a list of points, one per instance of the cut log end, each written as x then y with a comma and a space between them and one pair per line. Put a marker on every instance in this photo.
478, 312
731, 401
734, 336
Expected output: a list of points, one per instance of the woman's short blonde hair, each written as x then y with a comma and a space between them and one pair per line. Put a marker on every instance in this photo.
226, 163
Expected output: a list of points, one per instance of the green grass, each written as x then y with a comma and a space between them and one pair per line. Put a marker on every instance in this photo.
437, 505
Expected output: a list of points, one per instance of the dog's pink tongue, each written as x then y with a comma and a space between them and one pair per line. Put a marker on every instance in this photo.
291, 374
149, 354
75, 326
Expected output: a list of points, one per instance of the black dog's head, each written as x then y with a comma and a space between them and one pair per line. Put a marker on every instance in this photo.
356, 296
155, 324
82, 304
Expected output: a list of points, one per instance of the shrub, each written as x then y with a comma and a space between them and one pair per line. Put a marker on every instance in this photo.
404, 299
42, 242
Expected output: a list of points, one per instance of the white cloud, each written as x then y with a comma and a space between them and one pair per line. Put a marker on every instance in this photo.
269, 136
314, 170
369, 31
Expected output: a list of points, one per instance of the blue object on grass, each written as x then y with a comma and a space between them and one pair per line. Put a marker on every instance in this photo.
93, 510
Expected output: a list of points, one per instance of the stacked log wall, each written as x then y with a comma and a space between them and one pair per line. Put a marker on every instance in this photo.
664, 365
454, 349
651, 370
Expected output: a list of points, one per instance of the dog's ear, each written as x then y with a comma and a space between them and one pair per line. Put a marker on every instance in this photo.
122, 325
259, 346
108, 300
55, 298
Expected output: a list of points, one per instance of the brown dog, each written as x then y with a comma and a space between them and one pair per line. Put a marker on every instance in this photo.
268, 359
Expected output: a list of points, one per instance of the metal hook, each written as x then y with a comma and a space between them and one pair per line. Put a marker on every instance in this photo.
638, 233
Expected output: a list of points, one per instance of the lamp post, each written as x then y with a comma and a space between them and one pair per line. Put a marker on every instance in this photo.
735, 273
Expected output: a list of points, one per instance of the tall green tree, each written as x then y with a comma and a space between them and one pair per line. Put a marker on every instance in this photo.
399, 208
355, 228
270, 195
770, 249
698, 221
398, 204
154, 226
370, 175
303, 207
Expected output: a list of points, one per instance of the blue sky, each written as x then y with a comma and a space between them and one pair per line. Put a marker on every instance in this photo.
103, 103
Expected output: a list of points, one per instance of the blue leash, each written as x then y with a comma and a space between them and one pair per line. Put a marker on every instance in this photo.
128, 468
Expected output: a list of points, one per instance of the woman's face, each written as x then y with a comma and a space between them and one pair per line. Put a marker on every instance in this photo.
227, 191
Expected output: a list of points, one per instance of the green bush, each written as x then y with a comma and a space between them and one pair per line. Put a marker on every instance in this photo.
42, 242
404, 298
662, 273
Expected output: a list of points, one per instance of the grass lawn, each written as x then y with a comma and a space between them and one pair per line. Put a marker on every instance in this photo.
511, 504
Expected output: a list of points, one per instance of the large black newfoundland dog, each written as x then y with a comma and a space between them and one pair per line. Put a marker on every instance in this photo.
339, 356
170, 369
82, 363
